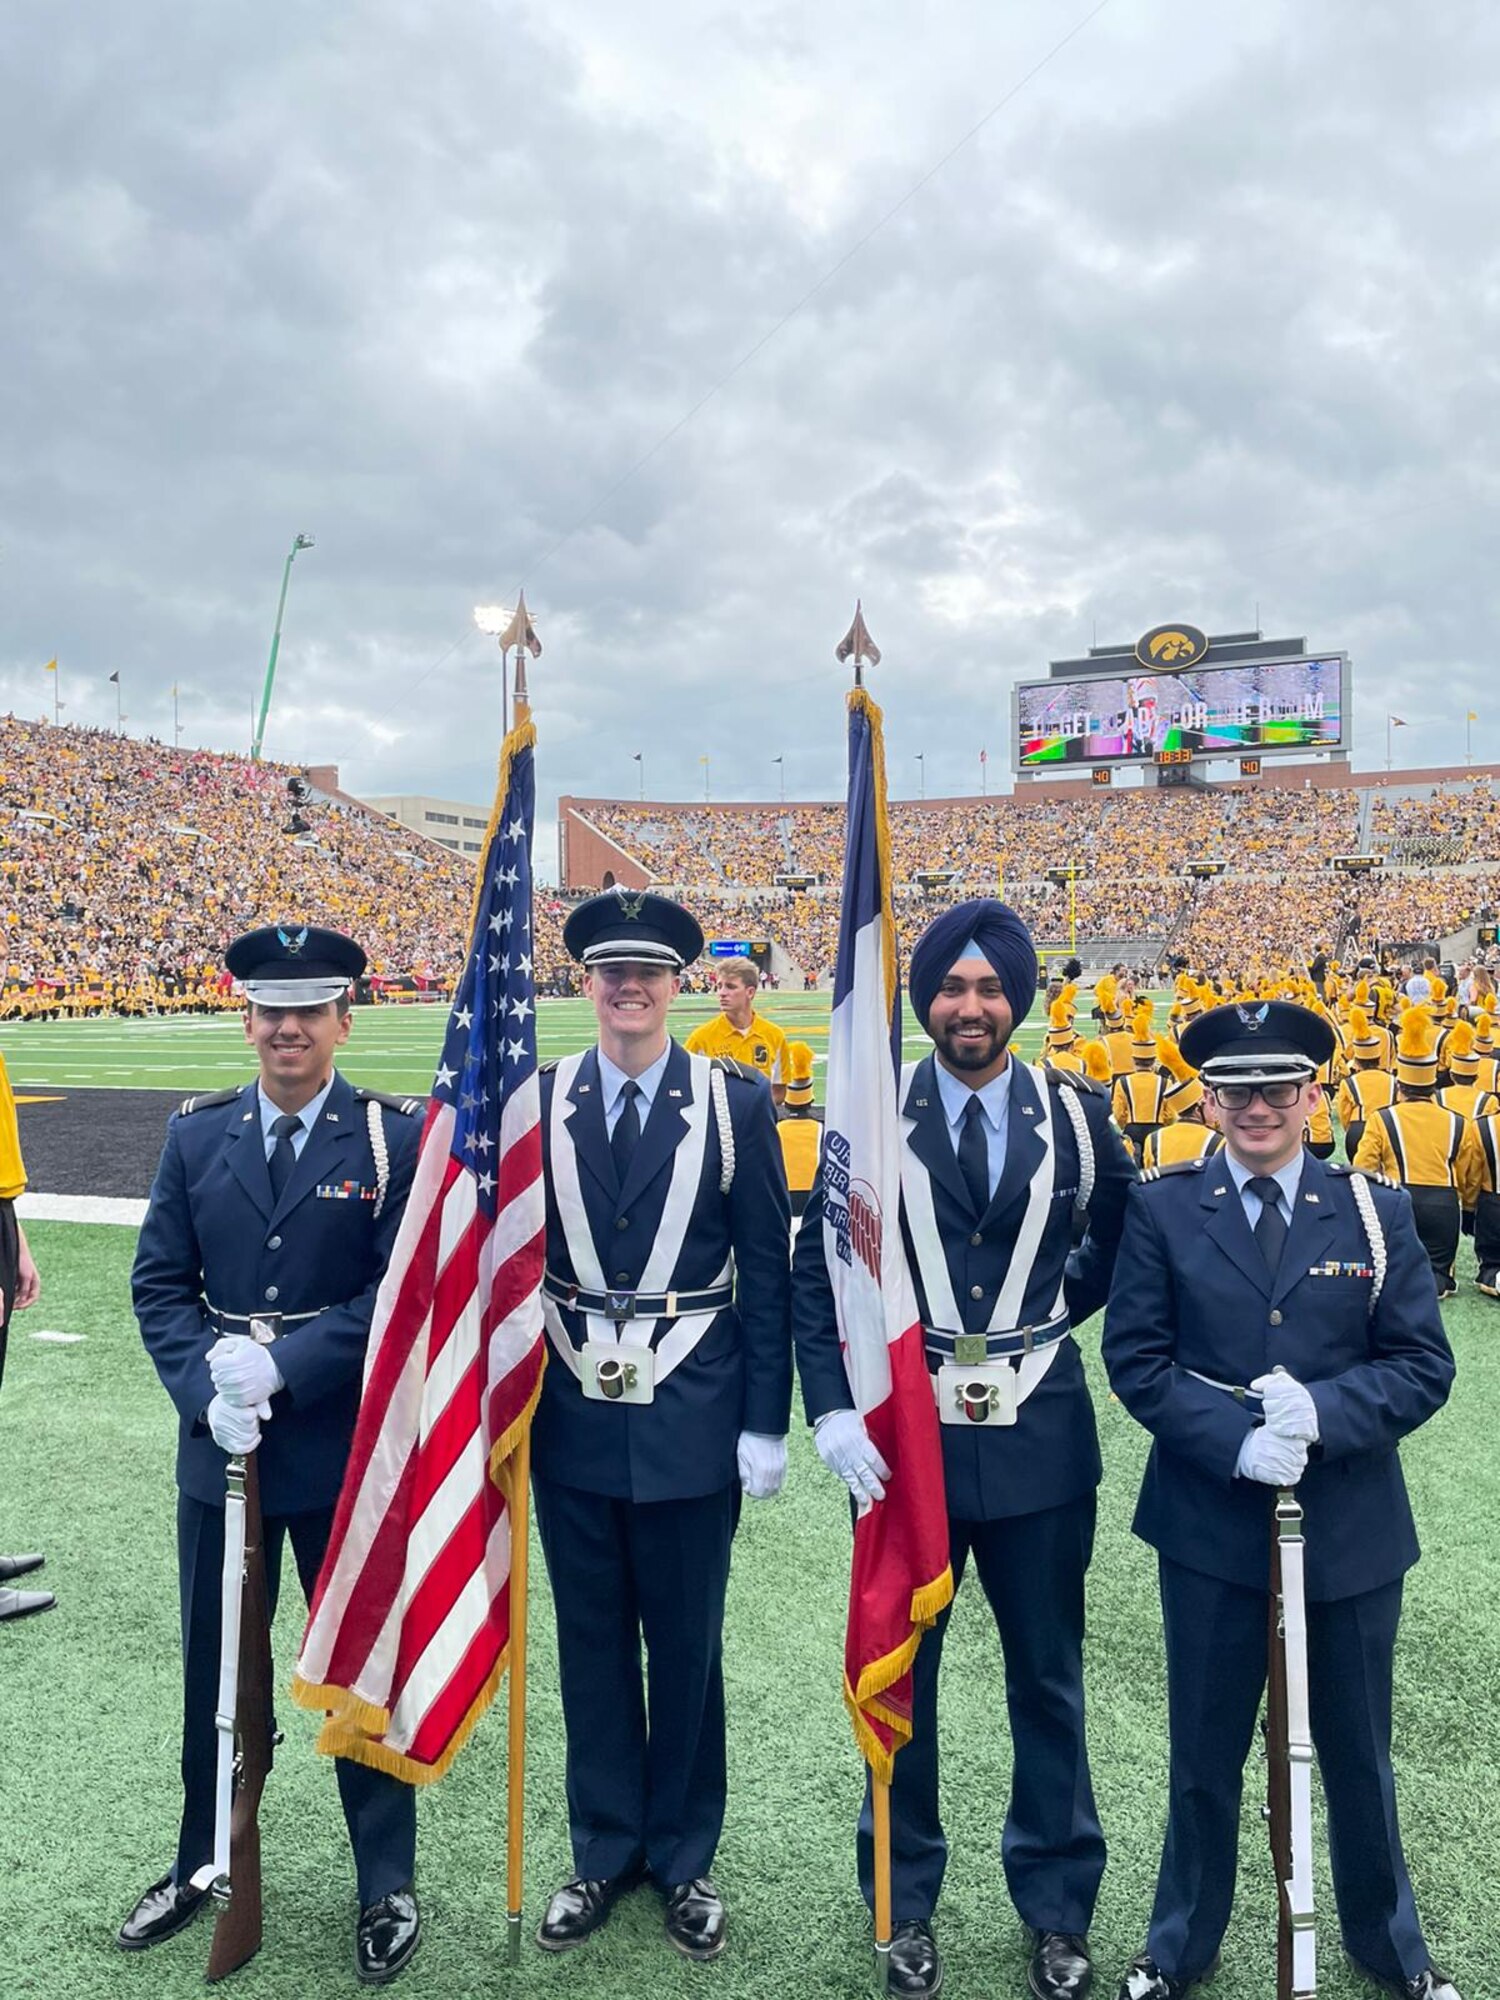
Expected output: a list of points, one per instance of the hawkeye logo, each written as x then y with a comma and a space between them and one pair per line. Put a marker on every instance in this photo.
1171, 649
851, 1208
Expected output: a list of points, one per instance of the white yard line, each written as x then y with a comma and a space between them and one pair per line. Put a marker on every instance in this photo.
128, 1211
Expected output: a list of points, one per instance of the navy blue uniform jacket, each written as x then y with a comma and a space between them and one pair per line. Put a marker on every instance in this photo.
739, 1376
212, 1234
1192, 1291
1051, 1454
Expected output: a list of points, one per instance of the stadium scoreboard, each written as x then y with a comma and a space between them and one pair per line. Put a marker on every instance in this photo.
1179, 698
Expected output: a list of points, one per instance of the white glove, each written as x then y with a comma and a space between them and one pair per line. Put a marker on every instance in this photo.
762, 1463
1273, 1460
244, 1373
234, 1430
845, 1448
1290, 1411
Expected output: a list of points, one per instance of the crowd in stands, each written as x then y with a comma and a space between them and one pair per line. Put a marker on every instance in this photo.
126, 866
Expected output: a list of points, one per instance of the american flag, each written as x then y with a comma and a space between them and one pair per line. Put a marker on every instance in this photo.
408, 1633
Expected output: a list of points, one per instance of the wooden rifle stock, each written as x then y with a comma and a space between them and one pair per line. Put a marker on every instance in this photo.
237, 1929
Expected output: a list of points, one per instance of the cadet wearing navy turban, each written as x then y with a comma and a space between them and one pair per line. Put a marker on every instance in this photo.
998, 1156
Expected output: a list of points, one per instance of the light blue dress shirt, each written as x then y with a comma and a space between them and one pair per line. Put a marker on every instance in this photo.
995, 1099
612, 1080
309, 1115
1288, 1180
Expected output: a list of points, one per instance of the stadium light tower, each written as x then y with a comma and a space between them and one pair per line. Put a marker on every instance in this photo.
302, 542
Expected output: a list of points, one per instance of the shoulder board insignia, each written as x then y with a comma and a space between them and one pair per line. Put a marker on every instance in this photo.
1072, 1079
408, 1106
1173, 1167
1365, 1174
743, 1071
191, 1104
548, 1067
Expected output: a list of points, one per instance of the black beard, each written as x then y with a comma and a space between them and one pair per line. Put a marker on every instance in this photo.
960, 1054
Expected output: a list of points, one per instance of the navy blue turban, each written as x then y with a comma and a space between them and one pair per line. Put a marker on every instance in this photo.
999, 934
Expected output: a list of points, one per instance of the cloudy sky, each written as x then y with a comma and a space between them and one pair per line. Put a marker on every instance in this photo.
1026, 324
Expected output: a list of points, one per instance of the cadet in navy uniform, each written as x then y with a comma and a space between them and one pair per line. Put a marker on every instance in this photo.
998, 1155
279, 1201
1301, 1288
669, 1391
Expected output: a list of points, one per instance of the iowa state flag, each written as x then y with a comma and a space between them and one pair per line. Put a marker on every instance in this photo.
900, 1579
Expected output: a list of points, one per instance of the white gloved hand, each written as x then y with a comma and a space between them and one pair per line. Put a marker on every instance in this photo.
234, 1430
1289, 1410
244, 1373
762, 1463
845, 1447
1273, 1460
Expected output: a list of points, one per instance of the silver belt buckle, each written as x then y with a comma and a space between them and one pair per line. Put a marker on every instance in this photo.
265, 1328
970, 1349
619, 1305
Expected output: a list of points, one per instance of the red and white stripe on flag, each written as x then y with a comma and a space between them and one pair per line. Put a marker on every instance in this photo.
407, 1638
900, 1578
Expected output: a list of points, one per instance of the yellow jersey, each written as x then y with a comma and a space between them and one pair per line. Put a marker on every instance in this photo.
761, 1046
12, 1172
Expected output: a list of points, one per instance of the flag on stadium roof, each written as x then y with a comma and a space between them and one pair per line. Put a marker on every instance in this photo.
408, 1634
900, 1579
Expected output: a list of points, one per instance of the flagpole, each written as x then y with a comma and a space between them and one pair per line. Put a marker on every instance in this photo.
880, 1792
515, 1756
176, 725
518, 1498
854, 649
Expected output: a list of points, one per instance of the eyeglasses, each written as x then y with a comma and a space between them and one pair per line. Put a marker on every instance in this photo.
1280, 1096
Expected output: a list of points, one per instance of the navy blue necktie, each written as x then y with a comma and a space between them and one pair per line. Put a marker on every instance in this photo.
974, 1156
1271, 1229
283, 1159
627, 1133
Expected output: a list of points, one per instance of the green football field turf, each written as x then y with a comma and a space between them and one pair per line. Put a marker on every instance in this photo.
390, 1048
89, 1697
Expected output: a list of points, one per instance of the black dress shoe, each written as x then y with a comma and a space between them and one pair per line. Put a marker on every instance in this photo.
1060, 1968
915, 1967
696, 1922
21, 1603
13, 1566
166, 1908
385, 1937
1428, 1985
580, 1907
1145, 1980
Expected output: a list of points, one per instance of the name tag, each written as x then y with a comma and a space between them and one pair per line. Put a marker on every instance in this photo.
984, 1393
618, 1374
345, 1191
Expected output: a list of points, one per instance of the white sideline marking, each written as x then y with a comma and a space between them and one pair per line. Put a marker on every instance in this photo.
58, 1339
127, 1209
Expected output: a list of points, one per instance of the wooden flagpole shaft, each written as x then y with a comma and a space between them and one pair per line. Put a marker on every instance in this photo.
881, 1795
520, 1494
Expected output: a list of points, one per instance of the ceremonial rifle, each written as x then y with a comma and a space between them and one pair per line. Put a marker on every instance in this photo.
1289, 1757
246, 1726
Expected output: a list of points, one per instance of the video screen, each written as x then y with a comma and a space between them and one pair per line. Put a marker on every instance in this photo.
1212, 711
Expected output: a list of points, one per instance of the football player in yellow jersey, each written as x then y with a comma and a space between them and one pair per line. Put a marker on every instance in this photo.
740, 1032
1432, 1152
